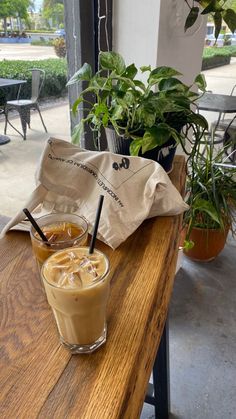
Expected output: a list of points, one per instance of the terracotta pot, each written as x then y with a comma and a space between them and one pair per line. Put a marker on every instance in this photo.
208, 243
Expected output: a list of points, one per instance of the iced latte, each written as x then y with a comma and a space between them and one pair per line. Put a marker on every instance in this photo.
62, 230
77, 288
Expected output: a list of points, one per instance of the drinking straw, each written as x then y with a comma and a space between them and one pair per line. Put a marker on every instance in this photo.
35, 225
97, 219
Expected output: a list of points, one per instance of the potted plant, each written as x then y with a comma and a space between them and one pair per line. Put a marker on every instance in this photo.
211, 195
141, 118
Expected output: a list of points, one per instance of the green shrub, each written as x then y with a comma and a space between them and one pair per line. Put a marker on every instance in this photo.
55, 76
215, 57
39, 31
232, 50
60, 47
42, 43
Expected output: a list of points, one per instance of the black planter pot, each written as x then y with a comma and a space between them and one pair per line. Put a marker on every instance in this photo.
164, 155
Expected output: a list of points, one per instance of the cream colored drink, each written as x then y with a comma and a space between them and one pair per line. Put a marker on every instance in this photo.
77, 288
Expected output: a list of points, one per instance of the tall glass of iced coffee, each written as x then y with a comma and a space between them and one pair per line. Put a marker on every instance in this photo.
77, 287
62, 230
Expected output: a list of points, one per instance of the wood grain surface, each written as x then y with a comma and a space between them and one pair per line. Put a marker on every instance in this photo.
38, 377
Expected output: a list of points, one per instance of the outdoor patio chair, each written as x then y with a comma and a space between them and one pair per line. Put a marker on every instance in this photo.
220, 127
23, 106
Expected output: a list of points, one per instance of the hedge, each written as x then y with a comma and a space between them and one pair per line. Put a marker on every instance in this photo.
232, 50
216, 56
40, 31
55, 77
41, 43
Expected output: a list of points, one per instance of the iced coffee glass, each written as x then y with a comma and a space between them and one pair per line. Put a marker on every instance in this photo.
77, 288
62, 230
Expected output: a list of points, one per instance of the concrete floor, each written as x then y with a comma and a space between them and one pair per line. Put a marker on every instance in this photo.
203, 340
19, 159
202, 312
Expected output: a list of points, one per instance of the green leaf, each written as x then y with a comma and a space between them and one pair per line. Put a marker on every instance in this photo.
229, 17
171, 84
101, 83
130, 71
117, 113
148, 118
78, 132
129, 98
84, 73
198, 119
191, 18
213, 6
217, 17
105, 119
135, 146
206, 206
76, 104
155, 136
161, 73
112, 61
100, 109
188, 244
138, 83
126, 83
145, 68
200, 81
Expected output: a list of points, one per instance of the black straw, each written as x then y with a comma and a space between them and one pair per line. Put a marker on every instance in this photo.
95, 230
35, 225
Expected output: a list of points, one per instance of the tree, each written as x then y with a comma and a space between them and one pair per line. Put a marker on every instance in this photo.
53, 9
13, 8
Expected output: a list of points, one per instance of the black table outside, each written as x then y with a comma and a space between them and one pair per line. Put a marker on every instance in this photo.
4, 139
217, 103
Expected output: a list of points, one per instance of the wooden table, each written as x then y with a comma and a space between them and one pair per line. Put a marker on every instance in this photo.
39, 378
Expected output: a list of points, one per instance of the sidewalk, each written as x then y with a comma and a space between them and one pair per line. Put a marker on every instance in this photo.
19, 159
220, 80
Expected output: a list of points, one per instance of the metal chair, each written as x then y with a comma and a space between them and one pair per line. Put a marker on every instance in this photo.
222, 123
23, 106
229, 141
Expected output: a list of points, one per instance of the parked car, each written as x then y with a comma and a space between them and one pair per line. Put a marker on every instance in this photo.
60, 33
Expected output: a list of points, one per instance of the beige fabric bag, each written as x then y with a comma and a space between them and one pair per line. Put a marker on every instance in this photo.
70, 179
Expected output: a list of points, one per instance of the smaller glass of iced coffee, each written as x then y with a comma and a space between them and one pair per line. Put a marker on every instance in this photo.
77, 288
62, 230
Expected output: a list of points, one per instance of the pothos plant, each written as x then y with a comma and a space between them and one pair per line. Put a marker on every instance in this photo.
217, 9
148, 113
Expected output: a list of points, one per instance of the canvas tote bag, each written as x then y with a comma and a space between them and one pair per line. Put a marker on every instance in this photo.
70, 179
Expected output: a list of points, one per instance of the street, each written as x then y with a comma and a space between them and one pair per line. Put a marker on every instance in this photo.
25, 52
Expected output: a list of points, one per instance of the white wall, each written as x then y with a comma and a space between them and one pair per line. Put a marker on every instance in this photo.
135, 30
150, 32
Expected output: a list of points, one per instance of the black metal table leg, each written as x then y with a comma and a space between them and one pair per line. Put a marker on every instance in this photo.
161, 379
